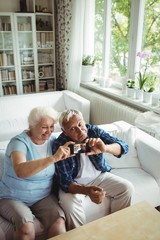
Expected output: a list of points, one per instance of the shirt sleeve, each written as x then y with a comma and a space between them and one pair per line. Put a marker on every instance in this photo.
16, 145
64, 169
64, 173
108, 139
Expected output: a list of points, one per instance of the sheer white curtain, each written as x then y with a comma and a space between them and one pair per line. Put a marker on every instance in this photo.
80, 27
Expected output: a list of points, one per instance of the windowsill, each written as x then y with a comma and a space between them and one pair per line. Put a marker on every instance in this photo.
117, 94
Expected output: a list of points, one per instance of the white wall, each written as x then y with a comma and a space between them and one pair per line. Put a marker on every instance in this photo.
9, 6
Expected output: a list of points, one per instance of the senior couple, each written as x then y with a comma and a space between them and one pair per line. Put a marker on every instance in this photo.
35, 158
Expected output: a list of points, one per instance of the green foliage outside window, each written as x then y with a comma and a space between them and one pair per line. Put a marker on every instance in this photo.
120, 33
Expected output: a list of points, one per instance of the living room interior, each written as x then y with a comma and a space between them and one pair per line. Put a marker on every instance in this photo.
43, 44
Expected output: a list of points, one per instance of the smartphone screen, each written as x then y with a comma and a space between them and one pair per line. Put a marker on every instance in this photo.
75, 148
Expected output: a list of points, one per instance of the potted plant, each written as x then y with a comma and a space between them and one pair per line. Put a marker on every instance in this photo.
131, 88
88, 60
149, 88
87, 73
145, 78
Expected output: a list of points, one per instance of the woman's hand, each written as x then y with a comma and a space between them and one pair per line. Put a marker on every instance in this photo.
63, 152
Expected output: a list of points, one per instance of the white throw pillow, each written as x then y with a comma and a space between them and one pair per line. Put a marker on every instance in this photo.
130, 159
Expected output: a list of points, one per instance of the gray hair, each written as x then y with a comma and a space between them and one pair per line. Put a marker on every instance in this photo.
38, 113
67, 114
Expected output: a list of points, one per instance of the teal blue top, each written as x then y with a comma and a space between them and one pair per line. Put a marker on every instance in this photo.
33, 188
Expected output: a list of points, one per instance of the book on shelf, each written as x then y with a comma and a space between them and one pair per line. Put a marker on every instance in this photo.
46, 85
11, 75
28, 88
38, 39
6, 59
51, 84
10, 59
24, 26
4, 74
5, 26
45, 57
43, 40
7, 74
47, 71
9, 89
3, 59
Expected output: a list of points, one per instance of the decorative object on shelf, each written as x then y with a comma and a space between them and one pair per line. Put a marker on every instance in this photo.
131, 83
88, 60
139, 93
131, 92
45, 9
87, 73
147, 97
156, 99
23, 5
41, 74
39, 8
43, 25
146, 77
148, 90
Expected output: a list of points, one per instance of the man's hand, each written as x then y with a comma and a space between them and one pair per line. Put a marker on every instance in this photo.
96, 194
98, 146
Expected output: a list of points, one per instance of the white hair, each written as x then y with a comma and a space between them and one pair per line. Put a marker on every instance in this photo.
40, 112
67, 114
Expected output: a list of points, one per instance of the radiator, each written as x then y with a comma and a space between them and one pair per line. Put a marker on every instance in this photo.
105, 110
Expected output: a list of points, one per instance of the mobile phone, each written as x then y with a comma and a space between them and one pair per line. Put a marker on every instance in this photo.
75, 148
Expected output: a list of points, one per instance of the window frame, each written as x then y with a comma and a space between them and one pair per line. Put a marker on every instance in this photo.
116, 90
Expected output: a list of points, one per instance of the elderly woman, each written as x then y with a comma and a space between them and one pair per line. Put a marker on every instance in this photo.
28, 177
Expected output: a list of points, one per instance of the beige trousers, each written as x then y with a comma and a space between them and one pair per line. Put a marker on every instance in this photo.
118, 190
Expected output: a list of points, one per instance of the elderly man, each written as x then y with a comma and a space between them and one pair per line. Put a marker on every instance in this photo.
86, 171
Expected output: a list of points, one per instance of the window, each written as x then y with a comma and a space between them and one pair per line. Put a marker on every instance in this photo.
122, 28
151, 35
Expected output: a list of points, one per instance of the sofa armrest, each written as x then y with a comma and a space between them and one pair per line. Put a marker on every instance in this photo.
148, 149
74, 101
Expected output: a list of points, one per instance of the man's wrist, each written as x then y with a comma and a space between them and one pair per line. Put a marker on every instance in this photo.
84, 189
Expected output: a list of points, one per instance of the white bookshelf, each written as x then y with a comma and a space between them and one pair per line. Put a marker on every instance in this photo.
27, 48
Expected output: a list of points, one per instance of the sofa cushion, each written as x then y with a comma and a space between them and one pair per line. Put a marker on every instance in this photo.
146, 187
129, 160
20, 106
3, 145
15, 111
11, 127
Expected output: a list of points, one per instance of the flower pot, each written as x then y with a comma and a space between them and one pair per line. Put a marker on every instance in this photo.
87, 73
155, 99
139, 94
147, 97
131, 93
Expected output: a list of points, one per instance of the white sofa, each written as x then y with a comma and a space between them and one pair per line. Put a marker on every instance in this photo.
141, 166
14, 110
13, 119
